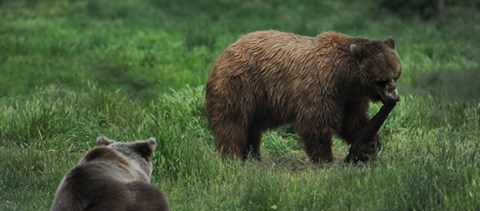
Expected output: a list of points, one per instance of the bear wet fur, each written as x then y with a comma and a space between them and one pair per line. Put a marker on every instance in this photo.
322, 84
111, 176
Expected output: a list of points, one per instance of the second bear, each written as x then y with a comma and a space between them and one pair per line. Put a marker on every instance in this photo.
322, 84
112, 176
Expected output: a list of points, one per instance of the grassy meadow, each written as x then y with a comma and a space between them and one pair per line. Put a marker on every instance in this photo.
132, 69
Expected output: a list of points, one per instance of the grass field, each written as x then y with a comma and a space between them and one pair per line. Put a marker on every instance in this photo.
132, 69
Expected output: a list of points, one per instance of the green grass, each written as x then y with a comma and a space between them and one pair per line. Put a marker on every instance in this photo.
132, 69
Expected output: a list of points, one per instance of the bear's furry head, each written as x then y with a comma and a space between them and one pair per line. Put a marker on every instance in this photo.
139, 151
380, 66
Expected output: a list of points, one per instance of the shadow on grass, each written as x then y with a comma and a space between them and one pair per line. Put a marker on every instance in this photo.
290, 163
449, 85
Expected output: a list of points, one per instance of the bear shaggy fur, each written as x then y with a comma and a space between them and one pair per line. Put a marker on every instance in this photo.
322, 84
112, 176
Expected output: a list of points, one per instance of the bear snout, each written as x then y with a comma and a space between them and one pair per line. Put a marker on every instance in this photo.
391, 96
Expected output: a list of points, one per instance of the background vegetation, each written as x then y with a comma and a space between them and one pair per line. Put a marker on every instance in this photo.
132, 69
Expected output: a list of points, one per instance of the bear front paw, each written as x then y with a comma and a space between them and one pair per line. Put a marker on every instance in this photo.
363, 152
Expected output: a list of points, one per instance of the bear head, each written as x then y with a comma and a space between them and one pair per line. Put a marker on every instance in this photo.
380, 68
139, 152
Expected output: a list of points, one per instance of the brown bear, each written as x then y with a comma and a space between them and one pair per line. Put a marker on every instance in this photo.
322, 84
112, 176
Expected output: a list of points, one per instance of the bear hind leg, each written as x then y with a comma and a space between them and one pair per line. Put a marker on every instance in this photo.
231, 140
253, 148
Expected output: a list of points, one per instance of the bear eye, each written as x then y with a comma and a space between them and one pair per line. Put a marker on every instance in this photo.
382, 82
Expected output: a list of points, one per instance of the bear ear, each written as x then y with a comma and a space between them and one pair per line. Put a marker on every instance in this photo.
146, 148
390, 42
103, 141
152, 142
357, 50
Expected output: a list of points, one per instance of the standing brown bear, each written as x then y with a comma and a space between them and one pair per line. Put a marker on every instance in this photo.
322, 84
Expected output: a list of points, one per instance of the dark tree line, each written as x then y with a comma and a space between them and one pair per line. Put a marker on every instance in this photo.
425, 9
